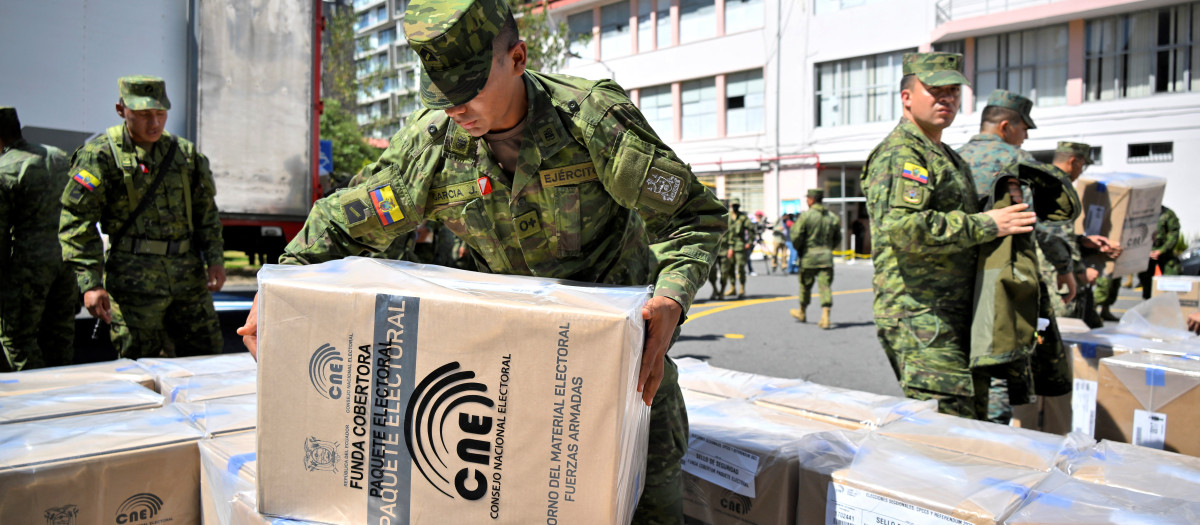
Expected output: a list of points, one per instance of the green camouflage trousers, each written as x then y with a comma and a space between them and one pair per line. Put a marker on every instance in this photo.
1168, 265
929, 355
732, 266
38, 328
662, 497
824, 279
714, 275
161, 306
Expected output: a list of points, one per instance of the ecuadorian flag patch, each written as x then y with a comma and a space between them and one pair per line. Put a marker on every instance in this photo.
915, 172
86, 179
386, 206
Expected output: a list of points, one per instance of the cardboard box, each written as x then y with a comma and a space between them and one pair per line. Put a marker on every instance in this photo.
243, 513
228, 465
163, 367
742, 466
77, 400
897, 481
1123, 207
1186, 287
1001, 443
841, 407
722, 383
121, 468
192, 389
222, 416
1151, 400
13, 383
1062, 499
820, 455
402, 391
1138, 468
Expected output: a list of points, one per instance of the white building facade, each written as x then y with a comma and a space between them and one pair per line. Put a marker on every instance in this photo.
386, 67
766, 99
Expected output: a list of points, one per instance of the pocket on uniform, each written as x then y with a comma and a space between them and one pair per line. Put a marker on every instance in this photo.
479, 231
568, 223
922, 373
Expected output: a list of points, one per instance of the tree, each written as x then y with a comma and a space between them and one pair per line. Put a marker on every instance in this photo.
350, 151
546, 39
339, 80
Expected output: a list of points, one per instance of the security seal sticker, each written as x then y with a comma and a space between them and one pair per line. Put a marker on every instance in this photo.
723, 465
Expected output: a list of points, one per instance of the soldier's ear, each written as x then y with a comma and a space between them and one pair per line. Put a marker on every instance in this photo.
120, 107
520, 56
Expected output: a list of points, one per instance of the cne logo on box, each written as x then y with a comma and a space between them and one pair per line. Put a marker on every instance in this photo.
454, 388
139, 508
736, 503
326, 371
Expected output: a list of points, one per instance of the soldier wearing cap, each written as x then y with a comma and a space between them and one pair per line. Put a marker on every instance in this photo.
539, 174
815, 235
152, 193
926, 228
38, 297
738, 240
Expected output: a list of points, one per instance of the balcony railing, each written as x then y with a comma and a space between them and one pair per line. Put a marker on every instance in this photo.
948, 10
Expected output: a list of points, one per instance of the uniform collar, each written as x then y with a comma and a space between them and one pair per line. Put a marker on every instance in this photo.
987, 137
909, 127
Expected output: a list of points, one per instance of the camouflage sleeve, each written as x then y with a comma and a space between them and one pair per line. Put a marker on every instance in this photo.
837, 232
1167, 235
205, 216
82, 208
1055, 240
7, 189
798, 231
905, 212
379, 206
684, 219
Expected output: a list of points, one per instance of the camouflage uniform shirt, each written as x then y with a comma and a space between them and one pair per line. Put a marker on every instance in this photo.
29, 209
741, 230
816, 233
925, 226
596, 196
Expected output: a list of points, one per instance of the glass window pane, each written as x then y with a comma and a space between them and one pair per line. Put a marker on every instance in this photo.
644, 29
699, 109
615, 36
697, 20
580, 27
664, 23
743, 103
985, 53
657, 107
741, 15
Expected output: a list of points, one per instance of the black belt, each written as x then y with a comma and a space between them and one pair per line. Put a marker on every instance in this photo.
153, 246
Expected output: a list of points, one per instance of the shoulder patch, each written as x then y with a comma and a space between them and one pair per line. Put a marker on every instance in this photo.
663, 187
527, 224
386, 206
573, 174
915, 172
86, 179
460, 143
357, 212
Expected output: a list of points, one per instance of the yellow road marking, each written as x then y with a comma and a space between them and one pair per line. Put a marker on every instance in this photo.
725, 306
734, 336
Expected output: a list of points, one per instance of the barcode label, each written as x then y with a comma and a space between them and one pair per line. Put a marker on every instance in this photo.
1083, 407
1149, 429
1094, 220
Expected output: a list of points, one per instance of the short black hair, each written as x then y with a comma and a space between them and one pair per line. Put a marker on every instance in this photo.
10, 131
907, 82
508, 35
1064, 156
994, 115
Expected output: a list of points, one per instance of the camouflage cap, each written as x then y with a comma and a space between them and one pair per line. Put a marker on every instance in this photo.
816, 193
8, 120
453, 38
735, 202
141, 92
1002, 98
1076, 148
936, 69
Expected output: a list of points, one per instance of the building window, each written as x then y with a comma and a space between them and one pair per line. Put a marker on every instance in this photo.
580, 27
699, 108
956, 46
748, 187
615, 36
821, 7
744, 103
659, 110
386, 36
663, 18
697, 20
405, 55
1032, 63
741, 15
1097, 155
1143, 53
645, 23
1153, 152
859, 90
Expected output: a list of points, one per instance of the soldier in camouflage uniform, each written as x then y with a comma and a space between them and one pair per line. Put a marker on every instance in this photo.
715, 279
540, 174
815, 235
154, 288
925, 231
1072, 159
1163, 254
38, 295
738, 241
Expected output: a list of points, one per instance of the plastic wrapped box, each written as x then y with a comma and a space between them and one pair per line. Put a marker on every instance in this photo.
1151, 400
1016, 446
721, 383
77, 400
394, 390
14, 383
1138, 468
133, 467
193, 389
163, 367
225, 415
1062, 499
227, 467
838, 406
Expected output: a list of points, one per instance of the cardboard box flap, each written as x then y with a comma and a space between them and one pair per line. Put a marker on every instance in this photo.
36, 442
210, 386
223, 415
699, 376
1153, 379
228, 466
970, 488
1138, 468
1062, 499
1013, 445
74, 400
13, 383
840, 405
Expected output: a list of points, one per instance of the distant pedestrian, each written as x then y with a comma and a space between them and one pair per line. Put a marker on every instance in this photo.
739, 241
1164, 255
816, 233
